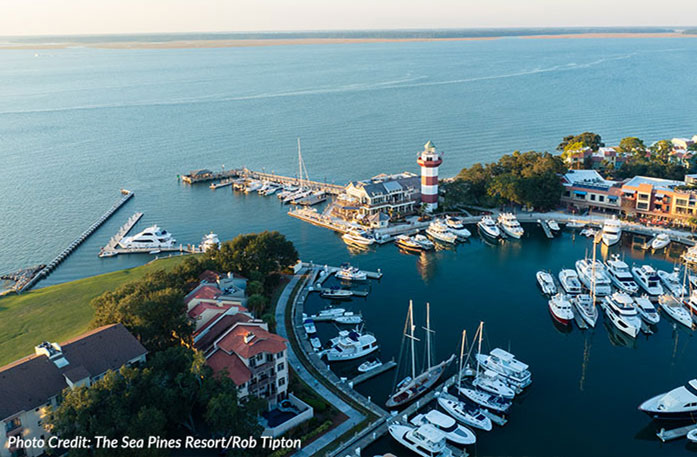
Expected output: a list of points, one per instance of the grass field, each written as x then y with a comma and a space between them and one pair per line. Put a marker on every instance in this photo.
59, 312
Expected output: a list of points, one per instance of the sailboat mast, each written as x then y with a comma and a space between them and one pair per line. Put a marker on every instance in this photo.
479, 347
428, 336
300, 165
593, 273
462, 352
411, 333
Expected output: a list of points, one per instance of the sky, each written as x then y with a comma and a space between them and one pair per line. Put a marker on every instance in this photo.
65, 17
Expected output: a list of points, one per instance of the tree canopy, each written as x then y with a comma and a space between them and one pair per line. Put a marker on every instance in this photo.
586, 139
264, 253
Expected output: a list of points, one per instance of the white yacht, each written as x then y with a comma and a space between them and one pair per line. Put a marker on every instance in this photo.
349, 318
351, 345
209, 242
510, 225
648, 279
424, 242
441, 232
369, 365
560, 307
336, 293
152, 237
457, 227
675, 309
690, 256
619, 308
660, 241
672, 282
349, 273
612, 231
252, 186
514, 372
593, 277
425, 440
409, 243
465, 412
691, 303
552, 224
546, 283
569, 281
358, 237
309, 326
646, 310
620, 275
680, 403
586, 308
454, 432
488, 227
490, 381
486, 399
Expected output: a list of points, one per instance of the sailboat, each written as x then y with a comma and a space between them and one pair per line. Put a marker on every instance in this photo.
489, 380
412, 387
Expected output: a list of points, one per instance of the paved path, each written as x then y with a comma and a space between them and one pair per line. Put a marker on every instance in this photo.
354, 417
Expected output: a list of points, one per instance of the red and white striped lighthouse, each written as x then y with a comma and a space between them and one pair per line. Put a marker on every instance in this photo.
429, 161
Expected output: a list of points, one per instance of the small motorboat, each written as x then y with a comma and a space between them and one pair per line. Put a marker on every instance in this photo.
675, 309
552, 224
465, 413
369, 365
575, 224
309, 326
349, 273
569, 281
660, 241
546, 283
586, 308
672, 282
646, 310
455, 433
560, 308
336, 293
349, 318
316, 343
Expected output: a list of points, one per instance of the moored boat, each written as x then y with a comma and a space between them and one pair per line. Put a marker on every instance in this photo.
515, 372
647, 311
440, 232
510, 226
546, 283
465, 413
612, 231
488, 227
677, 404
552, 224
620, 275
369, 365
457, 227
648, 280
672, 282
350, 345
425, 440
560, 308
592, 275
675, 309
620, 309
486, 399
350, 273
690, 256
660, 241
586, 308
358, 237
455, 433
569, 281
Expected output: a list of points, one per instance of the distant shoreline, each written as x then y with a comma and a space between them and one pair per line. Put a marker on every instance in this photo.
234, 43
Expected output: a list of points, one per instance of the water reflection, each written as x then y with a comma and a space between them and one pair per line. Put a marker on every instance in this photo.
618, 337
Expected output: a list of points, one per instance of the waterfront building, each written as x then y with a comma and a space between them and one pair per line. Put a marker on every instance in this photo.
588, 190
393, 195
662, 198
683, 143
29, 386
429, 160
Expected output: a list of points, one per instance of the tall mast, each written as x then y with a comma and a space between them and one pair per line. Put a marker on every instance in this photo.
462, 352
411, 336
428, 336
479, 348
593, 273
300, 165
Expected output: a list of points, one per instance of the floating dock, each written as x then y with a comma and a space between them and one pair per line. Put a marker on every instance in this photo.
372, 373
223, 183
545, 228
675, 433
110, 248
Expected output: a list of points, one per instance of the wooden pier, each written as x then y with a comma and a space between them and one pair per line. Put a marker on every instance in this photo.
223, 183
110, 248
329, 188
205, 175
387, 366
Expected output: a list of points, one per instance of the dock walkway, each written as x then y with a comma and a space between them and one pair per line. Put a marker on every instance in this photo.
113, 243
372, 373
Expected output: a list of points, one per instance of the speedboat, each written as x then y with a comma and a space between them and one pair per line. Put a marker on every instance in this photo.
369, 365
350, 345
209, 242
690, 256
349, 318
560, 308
336, 293
588, 232
315, 343
152, 237
424, 242
619, 308
454, 432
425, 440
490, 381
488, 227
660, 241
510, 225
552, 224
486, 399
672, 283
309, 326
586, 308
612, 231
646, 310
408, 243
456, 226
648, 280
620, 275
692, 435
569, 281
675, 309
593, 276
440, 232
513, 371
546, 283
349, 273
678, 404
358, 237
465, 413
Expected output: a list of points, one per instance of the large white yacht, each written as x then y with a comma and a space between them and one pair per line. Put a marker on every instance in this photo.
454, 432
465, 413
358, 237
612, 231
510, 225
490, 381
439, 231
593, 277
560, 307
586, 308
647, 310
672, 282
513, 371
488, 227
152, 237
620, 275
675, 309
569, 281
680, 403
350, 345
648, 279
457, 227
209, 242
620, 309
425, 440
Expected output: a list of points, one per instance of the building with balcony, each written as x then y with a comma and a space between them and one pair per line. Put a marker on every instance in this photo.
662, 198
29, 386
588, 190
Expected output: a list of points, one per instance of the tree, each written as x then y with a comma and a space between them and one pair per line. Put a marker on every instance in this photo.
661, 150
257, 304
632, 145
257, 252
587, 139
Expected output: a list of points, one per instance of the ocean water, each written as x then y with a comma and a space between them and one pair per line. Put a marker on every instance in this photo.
76, 125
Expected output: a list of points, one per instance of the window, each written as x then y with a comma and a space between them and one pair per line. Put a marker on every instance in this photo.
281, 382
280, 366
601, 198
592, 197
12, 424
643, 206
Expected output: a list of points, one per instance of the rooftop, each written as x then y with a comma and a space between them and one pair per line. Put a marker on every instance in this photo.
247, 340
657, 183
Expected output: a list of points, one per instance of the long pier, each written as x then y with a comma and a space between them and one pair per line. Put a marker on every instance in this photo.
112, 245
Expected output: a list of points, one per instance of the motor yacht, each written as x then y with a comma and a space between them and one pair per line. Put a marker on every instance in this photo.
490, 381
349, 273
569, 281
510, 226
315, 343
546, 283
672, 282
620, 275
678, 404
648, 280
620, 309
336, 293
560, 307
425, 440
552, 224
358, 237
408, 243
513, 371
647, 311
349, 318
350, 345
209, 242
586, 308
488, 227
440, 232
660, 241
454, 432
690, 256
424, 242
485, 399
309, 326
252, 186
152, 237
456, 226
369, 365
675, 309
593, 276
612, 231
465, 413
295, 196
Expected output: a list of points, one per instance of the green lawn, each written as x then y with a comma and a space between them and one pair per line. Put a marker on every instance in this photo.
59, 312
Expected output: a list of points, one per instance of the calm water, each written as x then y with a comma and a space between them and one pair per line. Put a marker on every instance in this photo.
76, 125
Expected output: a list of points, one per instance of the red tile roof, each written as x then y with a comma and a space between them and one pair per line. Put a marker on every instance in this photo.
263, 341
231, 364
200, 307
217, 328
209, 276
204, 292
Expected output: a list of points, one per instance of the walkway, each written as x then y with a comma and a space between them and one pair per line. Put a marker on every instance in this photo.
354, 417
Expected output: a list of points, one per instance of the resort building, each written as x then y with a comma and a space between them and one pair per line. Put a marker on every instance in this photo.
32, 384
662, 198
588, 190
214, 296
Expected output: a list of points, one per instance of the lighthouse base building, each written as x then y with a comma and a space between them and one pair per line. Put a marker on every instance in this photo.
429, 160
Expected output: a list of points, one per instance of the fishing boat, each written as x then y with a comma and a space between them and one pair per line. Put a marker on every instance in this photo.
546, 283
690, 256
648, 280
349, 273
454, 432
350, 345
488, 227
417, 384
510, 226
514, 372
440, 232
465, 413
369, 365
592, 275
646, 310
358, 237
456, 226
620, 309
553, 225
586, 308
336, 293
489, 380
612, 231
620, 275
569, 281
486, 399
678, 404
672, 282
560, 308
660, 241
675, 309
425, 440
